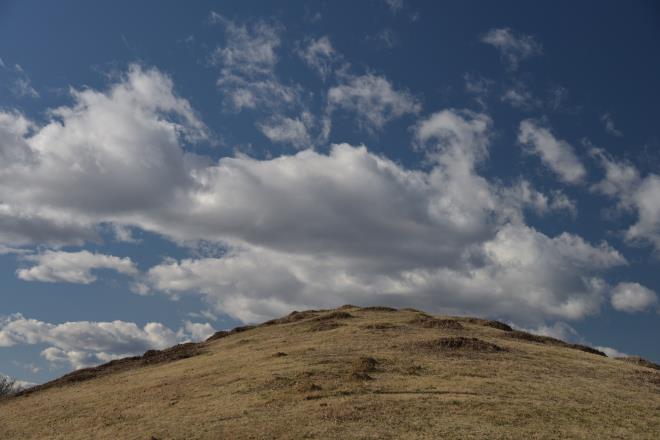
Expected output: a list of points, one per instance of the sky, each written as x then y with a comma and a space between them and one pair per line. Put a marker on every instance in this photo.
169, 169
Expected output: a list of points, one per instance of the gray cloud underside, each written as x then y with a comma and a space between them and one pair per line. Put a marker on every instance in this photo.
305, 229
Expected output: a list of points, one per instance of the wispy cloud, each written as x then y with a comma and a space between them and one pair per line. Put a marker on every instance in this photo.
608, 122
556, 154
513, 47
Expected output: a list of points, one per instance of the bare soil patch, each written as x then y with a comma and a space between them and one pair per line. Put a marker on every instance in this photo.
427, 321
461, 343
524, 336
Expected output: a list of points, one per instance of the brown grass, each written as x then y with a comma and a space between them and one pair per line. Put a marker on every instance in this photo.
639, 361
427, 321
553, 341
461, 343
423, 383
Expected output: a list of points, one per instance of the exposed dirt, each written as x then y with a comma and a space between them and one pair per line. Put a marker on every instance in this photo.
334, 315
379, 309
329, 324
489, 323
381, 326
224, 333
515, 334
294, 316
364, 364
461, 343
427, 321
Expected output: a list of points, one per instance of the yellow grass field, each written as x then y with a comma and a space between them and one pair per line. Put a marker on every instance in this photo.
358, 373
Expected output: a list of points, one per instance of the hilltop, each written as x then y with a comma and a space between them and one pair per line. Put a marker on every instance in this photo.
352, 372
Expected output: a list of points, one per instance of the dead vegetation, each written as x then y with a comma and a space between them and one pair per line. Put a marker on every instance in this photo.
427, 321
324, 325
639, 361
377, 374
7, 386
150, 357
489, 323
381, 326
379, 309
460, 344
294, 316
552, 341
333, 316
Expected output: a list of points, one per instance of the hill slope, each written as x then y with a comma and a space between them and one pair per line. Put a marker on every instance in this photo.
350, 373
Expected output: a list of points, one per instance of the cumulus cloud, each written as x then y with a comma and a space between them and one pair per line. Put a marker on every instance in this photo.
633, 192
307, 229
373, 100
85, 343
513, 47
126, 144
72, 267
555, 153
522, 195
632, 297
520, 273
439, 239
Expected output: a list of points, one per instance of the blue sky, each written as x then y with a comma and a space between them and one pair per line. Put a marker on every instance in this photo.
171, 169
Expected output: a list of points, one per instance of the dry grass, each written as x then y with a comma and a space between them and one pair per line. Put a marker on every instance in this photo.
282, 380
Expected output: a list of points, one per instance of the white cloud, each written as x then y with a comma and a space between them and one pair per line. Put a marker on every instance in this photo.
373, 100
524, 196
19, 384
608, 122
72, 267
478, 86
557, 96
642, 195
22, 88
437, 239
611, 352
301, 230
394, 5
558, 330
195, 331
621, 178
84, 343
385, 38
513, 47
319, 55
646, 200
520, 273
557, 154
632, 297
126, 144
519, 96
290, 131
247, 63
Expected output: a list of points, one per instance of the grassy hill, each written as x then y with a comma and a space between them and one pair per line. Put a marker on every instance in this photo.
368, 373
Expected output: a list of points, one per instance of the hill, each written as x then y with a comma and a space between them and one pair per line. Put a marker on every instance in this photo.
368, 373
